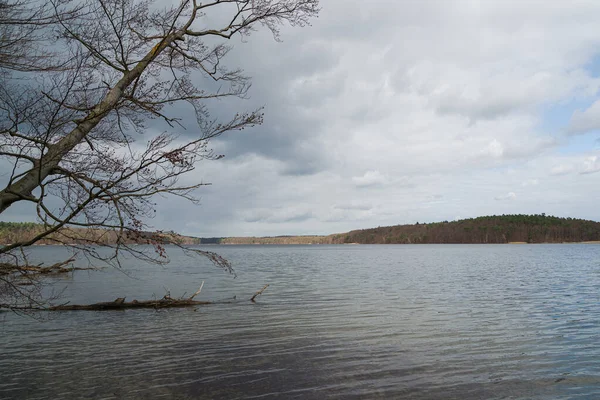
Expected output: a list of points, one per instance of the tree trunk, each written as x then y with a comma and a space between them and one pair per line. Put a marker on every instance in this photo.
24, 187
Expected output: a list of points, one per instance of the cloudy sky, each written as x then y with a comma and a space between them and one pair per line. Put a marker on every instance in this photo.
396, 111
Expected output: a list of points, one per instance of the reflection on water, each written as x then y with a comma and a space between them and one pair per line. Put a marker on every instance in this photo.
417, 322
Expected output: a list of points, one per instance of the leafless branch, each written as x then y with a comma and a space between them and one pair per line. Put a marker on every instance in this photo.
79, 83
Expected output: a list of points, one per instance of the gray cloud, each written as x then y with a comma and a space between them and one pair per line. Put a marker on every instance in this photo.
354, 206
585, 121
403, 111
278, 215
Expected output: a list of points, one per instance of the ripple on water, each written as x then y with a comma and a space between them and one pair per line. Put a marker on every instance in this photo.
422, 322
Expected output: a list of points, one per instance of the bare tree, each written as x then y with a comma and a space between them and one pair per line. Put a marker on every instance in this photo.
21, 35
89, 77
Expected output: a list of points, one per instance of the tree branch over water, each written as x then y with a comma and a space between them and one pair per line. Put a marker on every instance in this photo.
81, 82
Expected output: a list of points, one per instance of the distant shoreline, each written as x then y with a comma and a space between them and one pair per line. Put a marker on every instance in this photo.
335, 244
496, 229
384, 244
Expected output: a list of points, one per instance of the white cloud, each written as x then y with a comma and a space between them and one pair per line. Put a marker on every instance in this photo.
508, 196
369, 179
530, 182
591, 165
494, 149
562, 169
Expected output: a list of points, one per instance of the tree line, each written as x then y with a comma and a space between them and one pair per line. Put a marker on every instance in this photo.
538, 228
13, 232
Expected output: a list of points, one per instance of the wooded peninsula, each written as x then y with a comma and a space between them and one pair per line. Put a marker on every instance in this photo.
517, 228
490, 229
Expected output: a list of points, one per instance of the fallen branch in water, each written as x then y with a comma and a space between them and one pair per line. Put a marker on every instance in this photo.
120, 304
197, 291
259, 292
58, 268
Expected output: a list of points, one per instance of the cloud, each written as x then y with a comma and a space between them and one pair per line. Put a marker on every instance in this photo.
508, 196
585, 121
562, 169
401, 112
370, 179
530, 182
591, 165
276, 216
494, 149
354, 206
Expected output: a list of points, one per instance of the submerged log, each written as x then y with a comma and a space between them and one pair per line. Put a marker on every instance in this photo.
121, 304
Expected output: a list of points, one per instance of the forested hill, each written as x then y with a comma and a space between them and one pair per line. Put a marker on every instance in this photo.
492, 229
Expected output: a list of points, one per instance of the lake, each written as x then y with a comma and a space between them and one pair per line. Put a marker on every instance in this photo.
346, 322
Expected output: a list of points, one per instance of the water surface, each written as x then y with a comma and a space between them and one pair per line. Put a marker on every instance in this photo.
381, 321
